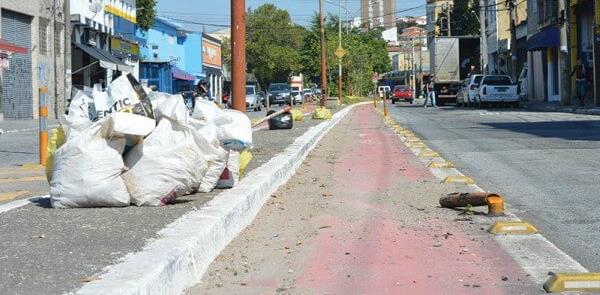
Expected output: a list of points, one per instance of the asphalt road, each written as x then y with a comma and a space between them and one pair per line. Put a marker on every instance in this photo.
546, 165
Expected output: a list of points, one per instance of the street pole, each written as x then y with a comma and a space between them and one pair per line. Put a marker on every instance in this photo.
512, 10
412, 66
565, 62
67, 50
483, 37
54, 59
323, 57
340, 46
238, 55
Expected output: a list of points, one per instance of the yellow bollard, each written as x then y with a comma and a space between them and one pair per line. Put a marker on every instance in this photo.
43, 125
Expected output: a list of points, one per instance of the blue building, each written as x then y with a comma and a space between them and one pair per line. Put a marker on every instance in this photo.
171, 57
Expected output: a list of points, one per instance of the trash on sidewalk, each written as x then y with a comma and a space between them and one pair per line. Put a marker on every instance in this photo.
322, 113
494, 202
297, 115
231, 174
281, 121
55, 141
125, 146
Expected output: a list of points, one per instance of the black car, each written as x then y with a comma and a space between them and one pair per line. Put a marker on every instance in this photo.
279, 93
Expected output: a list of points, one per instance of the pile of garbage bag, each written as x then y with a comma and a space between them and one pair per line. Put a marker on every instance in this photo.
128, 145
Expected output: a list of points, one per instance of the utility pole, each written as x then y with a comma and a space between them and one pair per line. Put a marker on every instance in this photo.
512, 10
67, 49
412, 66
340, 46
565, 62
483, 37
238, 55
54, 59
323, 56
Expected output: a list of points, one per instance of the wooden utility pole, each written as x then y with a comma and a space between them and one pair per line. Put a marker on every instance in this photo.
238, 55
323, 57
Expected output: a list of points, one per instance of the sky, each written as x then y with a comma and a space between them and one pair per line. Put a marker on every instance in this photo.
217, 12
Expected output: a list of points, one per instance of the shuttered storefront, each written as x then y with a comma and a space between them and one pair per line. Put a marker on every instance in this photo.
17, 96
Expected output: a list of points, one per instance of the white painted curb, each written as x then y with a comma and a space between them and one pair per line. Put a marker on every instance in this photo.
180, 256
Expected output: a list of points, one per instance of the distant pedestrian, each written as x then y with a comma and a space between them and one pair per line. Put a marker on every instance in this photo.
430, 95
579, 72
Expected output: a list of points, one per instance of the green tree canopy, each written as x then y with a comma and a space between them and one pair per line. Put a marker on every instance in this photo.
146, 13
273, 44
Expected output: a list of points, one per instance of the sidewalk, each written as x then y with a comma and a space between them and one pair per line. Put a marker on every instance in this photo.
50, 251
361, 216
557, 107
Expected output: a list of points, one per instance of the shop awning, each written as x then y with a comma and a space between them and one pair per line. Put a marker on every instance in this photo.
549, 37
179, 74
7, 46
107, 60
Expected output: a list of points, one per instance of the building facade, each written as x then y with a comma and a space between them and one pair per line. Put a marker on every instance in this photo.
378, 13
93, 29
171, 57
212, 65
38, 27
498, 37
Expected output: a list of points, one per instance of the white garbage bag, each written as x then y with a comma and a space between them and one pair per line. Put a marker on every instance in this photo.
171, 162
124, 94
87, 170
231, 175
206, 110
216, 163
81, 114
234, 130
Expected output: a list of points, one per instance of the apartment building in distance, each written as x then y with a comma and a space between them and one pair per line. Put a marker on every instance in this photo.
378, 14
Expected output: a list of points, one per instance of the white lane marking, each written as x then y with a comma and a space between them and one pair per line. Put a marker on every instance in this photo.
26, 130
20, 203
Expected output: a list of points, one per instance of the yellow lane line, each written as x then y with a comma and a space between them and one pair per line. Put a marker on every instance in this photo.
12, 195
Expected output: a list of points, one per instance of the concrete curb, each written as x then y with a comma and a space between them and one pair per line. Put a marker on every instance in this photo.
185, 248
534, 253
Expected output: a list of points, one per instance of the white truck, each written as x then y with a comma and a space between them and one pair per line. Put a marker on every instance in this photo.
497, 89
451, 59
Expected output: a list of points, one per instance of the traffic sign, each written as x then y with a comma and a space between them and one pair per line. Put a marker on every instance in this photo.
340, 52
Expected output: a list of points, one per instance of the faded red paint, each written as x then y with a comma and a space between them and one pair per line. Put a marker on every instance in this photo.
372, 253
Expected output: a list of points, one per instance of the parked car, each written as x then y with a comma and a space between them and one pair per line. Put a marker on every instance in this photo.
468, 91
402, 92
308, 94
317, 93
278, 93
381, 90
296, 96
253, 100
497, 89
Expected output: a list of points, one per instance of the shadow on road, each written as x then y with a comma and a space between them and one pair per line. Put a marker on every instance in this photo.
570, 130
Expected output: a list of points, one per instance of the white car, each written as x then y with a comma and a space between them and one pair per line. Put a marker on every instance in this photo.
382, 90
296, 96
253, 101
497, 89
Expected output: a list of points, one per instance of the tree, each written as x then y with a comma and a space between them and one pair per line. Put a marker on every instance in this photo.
273, 44
146, 13
463, 18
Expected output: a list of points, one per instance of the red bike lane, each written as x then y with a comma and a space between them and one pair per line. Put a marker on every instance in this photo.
361, 217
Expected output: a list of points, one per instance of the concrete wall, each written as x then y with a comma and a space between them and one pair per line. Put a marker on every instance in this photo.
43, 64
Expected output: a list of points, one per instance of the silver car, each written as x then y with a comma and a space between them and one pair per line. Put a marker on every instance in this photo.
253, 99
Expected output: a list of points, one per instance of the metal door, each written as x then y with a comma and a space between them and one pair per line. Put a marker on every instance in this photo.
17, 94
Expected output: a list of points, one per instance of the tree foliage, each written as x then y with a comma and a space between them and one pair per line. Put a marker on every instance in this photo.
146, 13
277, 48
463, 18
273, 44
